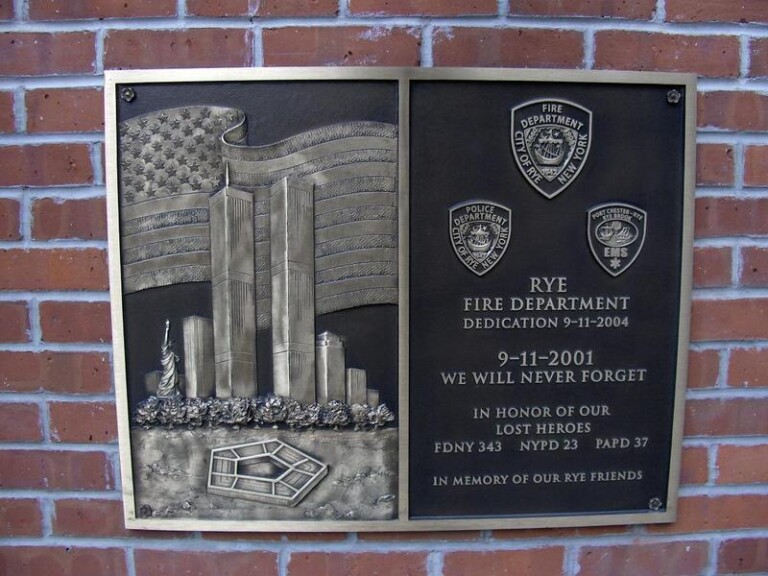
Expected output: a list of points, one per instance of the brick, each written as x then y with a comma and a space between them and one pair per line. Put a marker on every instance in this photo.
83, 422
678, 558
712, 56
15, 322
6, 10
582, 532
59, 269
348, 45
698, 514
743, 556
694, 465
55, 470
452, 536
746, 368
65, 110
637, 9
10, 227
731, 217
218, 8
54, 218
740, 319
741, 11
244, 536
75, 321
45, 165
535, 562
732, 417
261, 9
20, 517
170, 563
10, 219
43, 54
423, 7
714, 165
315, 536
87, 9
62, 561
733, 110
57, 372
756, 166
754, 271
7, 117
358, 564
758, 62
198, 47
95, 518
496, 47
703, 368
742, 464
20, 422
711, 267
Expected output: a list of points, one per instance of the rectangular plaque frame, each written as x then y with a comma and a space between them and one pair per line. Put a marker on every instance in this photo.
299, 101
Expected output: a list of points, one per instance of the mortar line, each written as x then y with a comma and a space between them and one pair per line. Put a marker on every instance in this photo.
97, 163
435, 562
47, 510
503, 9
343, 9
36, 330
576, 23
571, 559
283, 558
426, 52
258, 46
20, 110
589, 49
723, 368
25, 219
99, 43
714, 545
712, 470
745, 60
130, 560
737, 263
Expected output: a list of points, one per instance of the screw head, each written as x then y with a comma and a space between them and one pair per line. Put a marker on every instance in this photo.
674, 96
655, 504
128, 94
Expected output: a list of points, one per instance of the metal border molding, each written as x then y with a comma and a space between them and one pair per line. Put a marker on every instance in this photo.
396, 299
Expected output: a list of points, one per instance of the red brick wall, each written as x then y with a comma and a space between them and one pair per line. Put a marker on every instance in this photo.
59, 482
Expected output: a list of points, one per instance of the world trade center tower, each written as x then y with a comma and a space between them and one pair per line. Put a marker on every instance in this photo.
293, 289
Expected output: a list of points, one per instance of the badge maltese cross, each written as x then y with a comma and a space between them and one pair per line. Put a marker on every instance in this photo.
479, 232
550, 141
616, 234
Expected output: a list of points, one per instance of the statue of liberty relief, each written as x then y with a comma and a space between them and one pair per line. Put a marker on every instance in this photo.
168, 387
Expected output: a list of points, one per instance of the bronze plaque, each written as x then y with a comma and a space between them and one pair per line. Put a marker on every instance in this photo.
399, 299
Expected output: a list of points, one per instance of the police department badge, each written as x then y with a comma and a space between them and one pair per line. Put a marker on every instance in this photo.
551, 140
479, 233
616, 234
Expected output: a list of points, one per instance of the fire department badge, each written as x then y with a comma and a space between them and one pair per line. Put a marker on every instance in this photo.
616, 234
479, 233
550, 141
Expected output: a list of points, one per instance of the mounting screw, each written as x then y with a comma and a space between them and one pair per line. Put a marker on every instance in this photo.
674, 96
128, 94
655, 504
